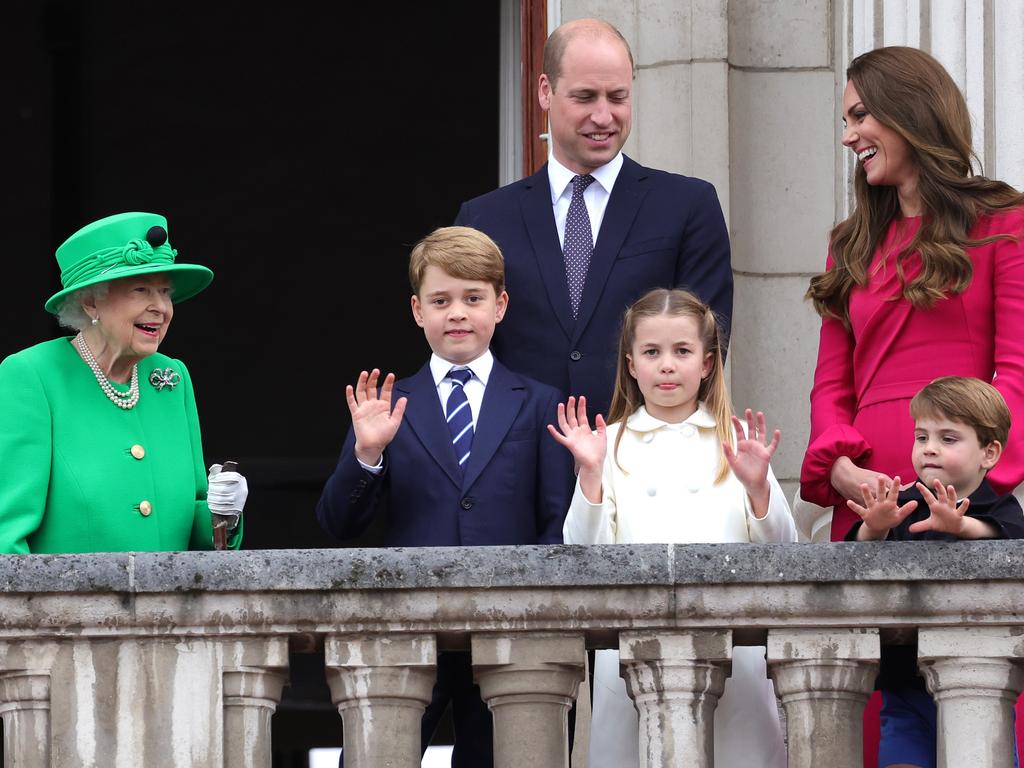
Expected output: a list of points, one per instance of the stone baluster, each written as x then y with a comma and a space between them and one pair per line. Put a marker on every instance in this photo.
975, 676
824, 678
25, 707
675, 680
25, 684
255, 672
529, 682
381, 685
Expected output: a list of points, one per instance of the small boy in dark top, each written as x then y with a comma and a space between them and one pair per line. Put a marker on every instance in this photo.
960, 428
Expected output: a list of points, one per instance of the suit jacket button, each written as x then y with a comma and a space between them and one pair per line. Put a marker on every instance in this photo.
146, 508
575, 355
466, 503
138, 451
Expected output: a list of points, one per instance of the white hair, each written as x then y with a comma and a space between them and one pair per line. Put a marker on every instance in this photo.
70, 313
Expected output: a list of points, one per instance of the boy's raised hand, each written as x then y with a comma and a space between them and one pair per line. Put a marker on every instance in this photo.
946, 516
373, 420
588, 447
749, 460
881, 511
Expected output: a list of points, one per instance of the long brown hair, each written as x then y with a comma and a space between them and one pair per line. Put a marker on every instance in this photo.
712, 392
909, 92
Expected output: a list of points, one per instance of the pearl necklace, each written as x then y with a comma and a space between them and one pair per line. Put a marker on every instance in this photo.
123, 400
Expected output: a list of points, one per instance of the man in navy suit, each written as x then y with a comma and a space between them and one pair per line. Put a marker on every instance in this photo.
463, 457
647, 228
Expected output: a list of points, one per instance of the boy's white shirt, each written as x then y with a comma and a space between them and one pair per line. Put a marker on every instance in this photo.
474, 389
665, 491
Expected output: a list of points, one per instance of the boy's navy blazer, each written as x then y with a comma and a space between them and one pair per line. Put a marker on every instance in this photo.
660, 230
514, 489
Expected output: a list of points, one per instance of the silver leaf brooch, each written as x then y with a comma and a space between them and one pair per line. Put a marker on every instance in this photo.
164, 377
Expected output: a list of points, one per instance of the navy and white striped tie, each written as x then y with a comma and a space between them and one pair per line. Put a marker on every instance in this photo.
458, 415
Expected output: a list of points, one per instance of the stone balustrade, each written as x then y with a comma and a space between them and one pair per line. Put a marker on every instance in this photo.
178, 659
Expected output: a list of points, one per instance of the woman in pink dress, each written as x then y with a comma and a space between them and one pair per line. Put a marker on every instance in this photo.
924, 279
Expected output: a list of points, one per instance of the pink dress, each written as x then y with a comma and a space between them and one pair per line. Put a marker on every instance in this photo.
867, 375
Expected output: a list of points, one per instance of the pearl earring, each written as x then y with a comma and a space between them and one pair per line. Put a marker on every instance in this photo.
95, 320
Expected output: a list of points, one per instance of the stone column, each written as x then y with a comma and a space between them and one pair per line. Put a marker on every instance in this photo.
824, 679
381, 685
25, 707
255, 672
26, 671
529, 682
675, 680
975, 679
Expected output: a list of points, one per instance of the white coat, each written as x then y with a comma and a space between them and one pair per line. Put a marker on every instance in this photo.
661, 489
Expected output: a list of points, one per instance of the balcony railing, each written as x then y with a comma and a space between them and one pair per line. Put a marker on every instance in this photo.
179, 659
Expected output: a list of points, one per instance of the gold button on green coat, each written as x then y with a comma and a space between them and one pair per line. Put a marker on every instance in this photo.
68, 481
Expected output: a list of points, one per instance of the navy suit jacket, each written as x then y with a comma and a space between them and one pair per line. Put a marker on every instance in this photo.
660, 230
515, 487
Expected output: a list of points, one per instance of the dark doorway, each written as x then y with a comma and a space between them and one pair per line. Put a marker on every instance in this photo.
298, 150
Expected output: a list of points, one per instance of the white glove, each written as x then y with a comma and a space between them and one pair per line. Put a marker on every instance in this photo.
227, 493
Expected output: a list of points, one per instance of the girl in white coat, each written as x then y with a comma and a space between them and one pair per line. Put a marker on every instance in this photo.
676, 474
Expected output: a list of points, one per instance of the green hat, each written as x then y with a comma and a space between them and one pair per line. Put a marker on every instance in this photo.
124, 245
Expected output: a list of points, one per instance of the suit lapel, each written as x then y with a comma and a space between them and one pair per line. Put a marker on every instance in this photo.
540, 224
623, 204
425, 418
503, 399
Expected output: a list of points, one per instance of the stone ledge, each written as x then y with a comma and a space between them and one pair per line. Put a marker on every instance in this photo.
510, 567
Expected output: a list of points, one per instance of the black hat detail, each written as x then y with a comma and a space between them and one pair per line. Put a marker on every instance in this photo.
156, 236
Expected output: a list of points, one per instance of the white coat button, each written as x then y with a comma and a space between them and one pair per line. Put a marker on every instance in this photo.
146, 508
138, 452
652, 491
689, 430
648, 436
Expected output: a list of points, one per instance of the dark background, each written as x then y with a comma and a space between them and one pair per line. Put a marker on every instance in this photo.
298, 150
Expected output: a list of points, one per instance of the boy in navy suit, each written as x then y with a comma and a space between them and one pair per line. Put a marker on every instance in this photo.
960, 427
462, 458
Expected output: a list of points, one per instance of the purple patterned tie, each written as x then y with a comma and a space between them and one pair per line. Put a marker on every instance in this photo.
579, 242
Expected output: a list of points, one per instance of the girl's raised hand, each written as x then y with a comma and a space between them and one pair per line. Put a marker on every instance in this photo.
587, 446
749, 460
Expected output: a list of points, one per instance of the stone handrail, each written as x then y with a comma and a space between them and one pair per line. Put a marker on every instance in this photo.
179, 659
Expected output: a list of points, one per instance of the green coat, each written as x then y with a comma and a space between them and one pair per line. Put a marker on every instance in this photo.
70, 480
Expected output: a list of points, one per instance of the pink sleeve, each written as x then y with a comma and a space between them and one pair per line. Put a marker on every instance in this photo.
1009, 352
833, 405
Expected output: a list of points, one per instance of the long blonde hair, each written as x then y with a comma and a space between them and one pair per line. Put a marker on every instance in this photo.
712, 392
909, 92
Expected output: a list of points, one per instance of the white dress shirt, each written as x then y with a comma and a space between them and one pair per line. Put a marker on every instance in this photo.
595, 196
474, 389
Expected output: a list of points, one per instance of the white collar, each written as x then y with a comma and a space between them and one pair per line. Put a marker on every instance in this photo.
560, 177
481, 367
642, 421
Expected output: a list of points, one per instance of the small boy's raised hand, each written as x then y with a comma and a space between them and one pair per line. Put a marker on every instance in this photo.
946, 516
881, 511
587, 446
750, 458
373, 420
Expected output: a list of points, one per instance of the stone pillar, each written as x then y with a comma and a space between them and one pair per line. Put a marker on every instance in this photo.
529, 682
824, 679
255, 672
675, 680
25, 707
975, 679
381, 685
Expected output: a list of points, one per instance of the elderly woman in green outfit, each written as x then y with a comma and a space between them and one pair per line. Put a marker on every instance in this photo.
99, 437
